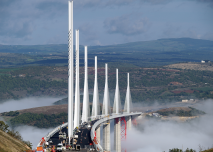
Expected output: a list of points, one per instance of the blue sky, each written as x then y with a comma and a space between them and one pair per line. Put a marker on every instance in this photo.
104, 22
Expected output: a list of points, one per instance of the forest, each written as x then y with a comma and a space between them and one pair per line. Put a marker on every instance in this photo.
39, 120
147, 84
182, 113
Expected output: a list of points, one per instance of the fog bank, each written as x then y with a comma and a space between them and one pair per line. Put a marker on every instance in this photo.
26, 103
33, 134
158, 136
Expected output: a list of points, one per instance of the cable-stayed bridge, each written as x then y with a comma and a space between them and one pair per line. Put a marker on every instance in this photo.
82, 131
87, 136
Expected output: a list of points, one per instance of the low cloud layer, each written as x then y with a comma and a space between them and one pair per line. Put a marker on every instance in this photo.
26, 103
161, 136
32, 134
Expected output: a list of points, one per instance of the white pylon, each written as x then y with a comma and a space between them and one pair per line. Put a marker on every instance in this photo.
95, 104
86, 109
117, 100
77, 89
106, 100
70, 69
128, 100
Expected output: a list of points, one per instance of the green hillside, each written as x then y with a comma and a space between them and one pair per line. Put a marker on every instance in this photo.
147, 84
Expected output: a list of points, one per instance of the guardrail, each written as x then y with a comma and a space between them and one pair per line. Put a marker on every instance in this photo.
50, 134
96, 144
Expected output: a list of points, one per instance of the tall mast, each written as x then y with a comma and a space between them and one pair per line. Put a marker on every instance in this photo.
128, 100
95, 108
117, 100
106, 99
70, 69
86, 109
77, 89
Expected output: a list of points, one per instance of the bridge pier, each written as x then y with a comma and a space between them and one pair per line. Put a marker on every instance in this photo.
117, 135
129, 122
106, 136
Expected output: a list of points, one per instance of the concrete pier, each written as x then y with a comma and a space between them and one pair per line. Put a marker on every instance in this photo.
117, 135
106, 136
129, 122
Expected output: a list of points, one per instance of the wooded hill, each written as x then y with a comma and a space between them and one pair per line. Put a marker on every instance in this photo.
147, 84
181, 112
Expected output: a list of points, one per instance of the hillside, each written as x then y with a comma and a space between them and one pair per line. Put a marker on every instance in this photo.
42, 117
144, 53
180, 111
147, 84
10, 144
192, 66
49, 110
208, 150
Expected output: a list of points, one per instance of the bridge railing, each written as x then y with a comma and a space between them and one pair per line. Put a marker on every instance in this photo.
50, 134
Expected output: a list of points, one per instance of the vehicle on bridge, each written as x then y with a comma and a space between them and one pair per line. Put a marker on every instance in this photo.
60, 147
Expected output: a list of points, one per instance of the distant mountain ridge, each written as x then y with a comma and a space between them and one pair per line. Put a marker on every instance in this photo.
165, 44
177, 44
144, 53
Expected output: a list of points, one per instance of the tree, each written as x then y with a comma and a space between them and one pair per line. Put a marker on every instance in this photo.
4, 127
190, 150
15, 134
175, 150
28, 143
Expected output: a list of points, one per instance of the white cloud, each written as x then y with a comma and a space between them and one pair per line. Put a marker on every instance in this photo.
127, 25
